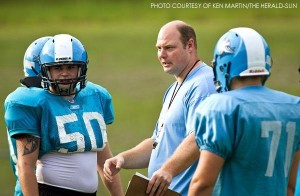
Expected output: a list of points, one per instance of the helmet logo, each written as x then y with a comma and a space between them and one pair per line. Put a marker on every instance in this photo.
256, 70
225, 47
63, 59
71, 100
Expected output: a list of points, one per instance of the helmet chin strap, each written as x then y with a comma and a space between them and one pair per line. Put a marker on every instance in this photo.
57, 89
65, 91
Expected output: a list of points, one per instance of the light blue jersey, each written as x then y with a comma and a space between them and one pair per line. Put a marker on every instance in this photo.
197, 86
66, 126
257, 131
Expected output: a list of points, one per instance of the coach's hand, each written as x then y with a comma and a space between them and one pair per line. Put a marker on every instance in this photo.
112, 166
159, 183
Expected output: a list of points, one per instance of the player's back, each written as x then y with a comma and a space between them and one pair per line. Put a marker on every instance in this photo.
261, 137
266, 139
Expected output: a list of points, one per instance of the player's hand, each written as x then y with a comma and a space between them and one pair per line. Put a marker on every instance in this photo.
112, 166
159, 183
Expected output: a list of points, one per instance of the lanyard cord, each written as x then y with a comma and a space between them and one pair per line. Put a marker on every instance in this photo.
155, 142
176, 91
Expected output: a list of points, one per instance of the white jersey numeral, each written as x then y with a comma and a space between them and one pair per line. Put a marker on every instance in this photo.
76, 136
275, 128
87, 117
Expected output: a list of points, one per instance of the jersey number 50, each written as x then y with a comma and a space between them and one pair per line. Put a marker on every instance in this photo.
77, 136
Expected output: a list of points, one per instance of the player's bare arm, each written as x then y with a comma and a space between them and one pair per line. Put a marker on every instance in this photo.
113, 186
203, 181
28, 149
28, 143
293, 174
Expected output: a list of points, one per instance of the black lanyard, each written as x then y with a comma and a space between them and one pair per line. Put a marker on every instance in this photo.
171, 101
176, 91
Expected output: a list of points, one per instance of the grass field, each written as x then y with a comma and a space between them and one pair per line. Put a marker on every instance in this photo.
120, 39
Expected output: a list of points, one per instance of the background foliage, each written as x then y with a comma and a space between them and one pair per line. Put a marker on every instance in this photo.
120, 37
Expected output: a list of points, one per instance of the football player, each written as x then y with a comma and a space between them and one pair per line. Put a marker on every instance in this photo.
60, 129
32, 79
249, 135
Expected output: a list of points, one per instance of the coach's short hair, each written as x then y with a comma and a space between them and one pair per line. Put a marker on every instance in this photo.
187, 32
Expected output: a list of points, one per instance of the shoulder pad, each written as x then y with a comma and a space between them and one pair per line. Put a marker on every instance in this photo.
32, 81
